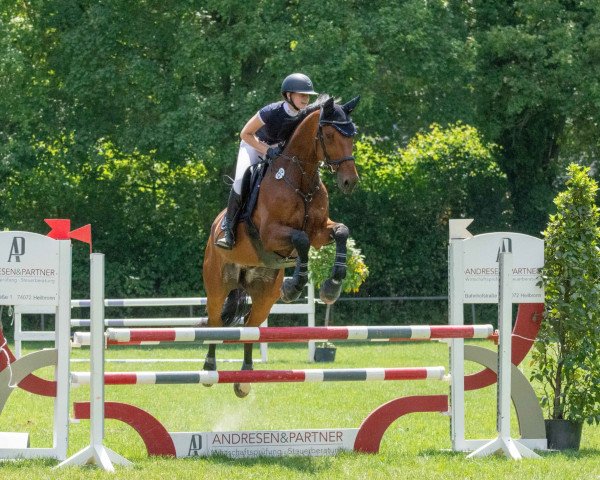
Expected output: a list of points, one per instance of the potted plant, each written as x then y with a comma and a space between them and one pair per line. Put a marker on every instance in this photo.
566, 357
319, 270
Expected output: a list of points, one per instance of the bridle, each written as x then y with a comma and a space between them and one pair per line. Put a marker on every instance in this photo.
332, 164
315, 181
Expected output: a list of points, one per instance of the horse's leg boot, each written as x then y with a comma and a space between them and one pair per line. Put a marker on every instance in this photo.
227, 240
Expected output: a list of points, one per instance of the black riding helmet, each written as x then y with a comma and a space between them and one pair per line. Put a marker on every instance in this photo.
296, 83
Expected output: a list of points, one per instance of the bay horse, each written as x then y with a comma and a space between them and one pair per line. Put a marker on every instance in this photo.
291, 214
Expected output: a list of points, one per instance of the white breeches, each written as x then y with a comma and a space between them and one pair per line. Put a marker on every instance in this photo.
246, 156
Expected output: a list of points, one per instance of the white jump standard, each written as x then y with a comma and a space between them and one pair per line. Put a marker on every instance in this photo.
37, 271
96, 452
474, 277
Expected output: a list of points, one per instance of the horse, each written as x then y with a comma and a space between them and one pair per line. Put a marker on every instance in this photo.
290, 215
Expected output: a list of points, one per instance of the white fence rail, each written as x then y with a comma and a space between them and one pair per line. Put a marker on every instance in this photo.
21, 335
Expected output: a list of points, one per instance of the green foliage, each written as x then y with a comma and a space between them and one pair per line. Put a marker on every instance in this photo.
321, 261
175, 82
406, 199
146, 214
530, 101
567, 351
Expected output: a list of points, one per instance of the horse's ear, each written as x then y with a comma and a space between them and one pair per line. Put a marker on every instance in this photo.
351, 105
328, 109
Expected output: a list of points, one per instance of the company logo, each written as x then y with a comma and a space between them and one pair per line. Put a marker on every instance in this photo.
195, 445
17, 249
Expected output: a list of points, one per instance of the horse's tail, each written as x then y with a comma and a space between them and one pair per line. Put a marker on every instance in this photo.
235, 309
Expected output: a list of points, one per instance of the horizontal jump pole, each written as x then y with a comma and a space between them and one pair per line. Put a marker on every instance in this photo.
278, 308
145, 322
142, 336
165, 360
264, 376
144, 302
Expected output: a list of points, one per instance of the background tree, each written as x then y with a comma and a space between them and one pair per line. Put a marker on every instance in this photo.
535, 93
166, 87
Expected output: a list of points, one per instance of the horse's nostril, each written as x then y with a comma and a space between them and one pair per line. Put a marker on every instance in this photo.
348, 185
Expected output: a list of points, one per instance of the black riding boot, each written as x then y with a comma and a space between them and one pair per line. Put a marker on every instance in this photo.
227, 240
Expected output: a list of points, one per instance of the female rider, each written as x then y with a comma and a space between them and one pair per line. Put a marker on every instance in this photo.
260, 138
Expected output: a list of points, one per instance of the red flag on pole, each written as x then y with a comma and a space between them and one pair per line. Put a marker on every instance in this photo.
61, 230
83, 234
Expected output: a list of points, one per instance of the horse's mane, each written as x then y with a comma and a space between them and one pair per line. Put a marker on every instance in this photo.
290, 125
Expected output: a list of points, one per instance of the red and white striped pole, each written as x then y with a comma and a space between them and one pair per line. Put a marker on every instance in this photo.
153, 336
264, 376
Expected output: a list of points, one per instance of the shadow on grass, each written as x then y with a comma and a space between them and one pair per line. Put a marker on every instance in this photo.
567, 454
307, 465
573, 454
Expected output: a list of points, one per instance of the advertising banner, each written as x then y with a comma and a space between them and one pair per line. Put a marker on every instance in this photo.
29, 268
274, 443
481, 270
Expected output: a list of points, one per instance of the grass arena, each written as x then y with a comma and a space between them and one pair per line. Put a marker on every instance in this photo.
418, 443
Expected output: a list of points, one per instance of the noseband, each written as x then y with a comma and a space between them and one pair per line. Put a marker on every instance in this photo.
332, 164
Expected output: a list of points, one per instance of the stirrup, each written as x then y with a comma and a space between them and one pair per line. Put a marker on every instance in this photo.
227, 241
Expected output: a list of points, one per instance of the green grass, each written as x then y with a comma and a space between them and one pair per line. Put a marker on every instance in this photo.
416, 446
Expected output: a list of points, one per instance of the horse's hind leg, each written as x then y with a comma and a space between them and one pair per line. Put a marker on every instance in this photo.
243, 389
210, 361
264, 294
292, 287
332, 287
214, 304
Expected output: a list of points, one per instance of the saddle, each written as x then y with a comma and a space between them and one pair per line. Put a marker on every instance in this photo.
251, 182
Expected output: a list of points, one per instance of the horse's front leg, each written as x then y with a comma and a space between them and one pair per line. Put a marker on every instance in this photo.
292, 287
332, 287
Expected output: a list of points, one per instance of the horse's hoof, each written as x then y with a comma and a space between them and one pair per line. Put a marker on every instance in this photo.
210, 365
242, 389
330, 291
290, 291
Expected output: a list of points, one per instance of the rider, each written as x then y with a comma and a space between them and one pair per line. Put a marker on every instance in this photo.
260, 137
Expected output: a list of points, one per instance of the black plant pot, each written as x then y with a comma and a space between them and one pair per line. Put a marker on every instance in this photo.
325, 354
563, 434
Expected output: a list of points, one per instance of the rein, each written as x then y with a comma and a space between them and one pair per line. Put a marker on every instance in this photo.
333, 165
308, 196
328, 161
